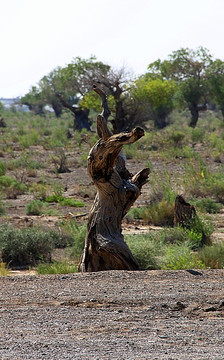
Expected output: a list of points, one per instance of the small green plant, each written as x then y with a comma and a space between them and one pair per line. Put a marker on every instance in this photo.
3, 269
63, 267
2, 168
64, 201
2, 208
34, 207
78, 234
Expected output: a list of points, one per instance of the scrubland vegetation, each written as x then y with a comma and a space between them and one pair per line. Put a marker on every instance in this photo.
43, 167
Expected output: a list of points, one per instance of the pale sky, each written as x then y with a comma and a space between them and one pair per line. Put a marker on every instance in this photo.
38, 35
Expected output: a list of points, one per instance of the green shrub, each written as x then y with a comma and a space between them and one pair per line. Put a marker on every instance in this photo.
213, 256
24, 247
57, 268
3, 269
35, 207
180, 257
2, 208
11, 187
145, 250
208, 205
2, 168
160, 213
197, 135
137, 212
64, 201
176, 138
78, 234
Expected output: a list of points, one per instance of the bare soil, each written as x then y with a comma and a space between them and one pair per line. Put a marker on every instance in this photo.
113, 315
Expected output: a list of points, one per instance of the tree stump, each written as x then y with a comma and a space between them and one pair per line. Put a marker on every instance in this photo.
184, 213
117, 190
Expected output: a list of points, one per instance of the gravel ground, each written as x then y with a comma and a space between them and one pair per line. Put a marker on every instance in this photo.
113, 315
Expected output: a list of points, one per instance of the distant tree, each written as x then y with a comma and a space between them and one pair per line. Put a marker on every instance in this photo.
125, 112
48, 86
188, 68
76, 79
216, 81
33, 99
155, 97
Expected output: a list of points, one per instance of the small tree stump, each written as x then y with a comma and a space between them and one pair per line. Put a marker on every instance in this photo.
117, 190
184, 213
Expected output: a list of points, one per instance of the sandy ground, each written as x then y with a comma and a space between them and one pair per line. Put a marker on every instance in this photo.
113, 315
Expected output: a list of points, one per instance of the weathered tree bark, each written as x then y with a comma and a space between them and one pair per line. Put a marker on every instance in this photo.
117, 189
195, 109
184, 213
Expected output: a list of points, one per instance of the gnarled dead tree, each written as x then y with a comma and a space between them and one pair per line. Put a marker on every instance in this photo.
117, 189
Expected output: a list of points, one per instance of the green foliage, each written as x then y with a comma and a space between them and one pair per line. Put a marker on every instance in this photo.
63, 267
145, 250
178, 257
64, 201
2, 168
2, 208
34, 207
216, 82
213, 256
208, 205
78, 234
3, 269
11, 187
156, 95
160, 213
25, 161
24, 247
189, 69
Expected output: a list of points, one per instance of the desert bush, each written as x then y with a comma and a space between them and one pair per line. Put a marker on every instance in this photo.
4, 271
162, 187
197, 135
30, 139
24, 247
11, 187
213, 256
180, 256
64, 201
160, 213
145, 250
78, 234
2, 168
39, 190
208, 205
34, 207
176, 138
25, 161
60, 160
2, 208
57, 267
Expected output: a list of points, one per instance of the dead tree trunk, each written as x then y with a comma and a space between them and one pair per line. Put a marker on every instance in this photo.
117, 189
